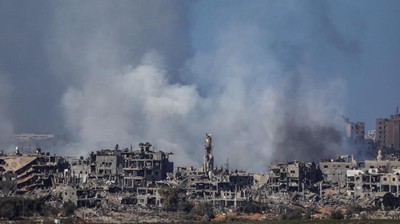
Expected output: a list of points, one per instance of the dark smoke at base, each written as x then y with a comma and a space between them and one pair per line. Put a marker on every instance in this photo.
124, 73
307, 143
308, 131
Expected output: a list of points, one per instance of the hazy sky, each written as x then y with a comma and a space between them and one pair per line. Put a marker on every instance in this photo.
357, 41
269, 79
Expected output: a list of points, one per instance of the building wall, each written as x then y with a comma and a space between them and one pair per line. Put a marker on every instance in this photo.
334, 171
354, 130
106, 164
391, 183
388, 132
382, 165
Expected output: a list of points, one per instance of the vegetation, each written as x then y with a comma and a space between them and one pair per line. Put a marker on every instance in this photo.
170, 198
172, 201
14, 207
252, 207
312, 221
185, 206
337, 215
204, 210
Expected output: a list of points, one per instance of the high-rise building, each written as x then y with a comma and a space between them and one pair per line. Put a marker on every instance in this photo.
388, 132
354, 130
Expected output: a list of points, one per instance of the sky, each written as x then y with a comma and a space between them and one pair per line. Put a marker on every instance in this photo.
269, 79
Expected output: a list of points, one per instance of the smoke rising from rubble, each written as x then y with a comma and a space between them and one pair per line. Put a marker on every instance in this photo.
254, 105
125, 72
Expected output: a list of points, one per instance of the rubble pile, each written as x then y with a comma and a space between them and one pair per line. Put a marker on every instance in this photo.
141, 185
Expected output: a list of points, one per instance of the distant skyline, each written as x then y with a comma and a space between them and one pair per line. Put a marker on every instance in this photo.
270, 79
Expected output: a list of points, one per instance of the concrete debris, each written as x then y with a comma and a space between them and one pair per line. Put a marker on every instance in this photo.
141, 184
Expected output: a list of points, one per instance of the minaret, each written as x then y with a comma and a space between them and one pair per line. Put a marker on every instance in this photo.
379, 157
208, 158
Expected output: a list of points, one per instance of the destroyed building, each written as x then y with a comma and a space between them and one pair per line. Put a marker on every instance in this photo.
144, 165
106, 171
149, 196
221, 187
361, 182
139, 177
390, 182
33, 171
292, 176
79, 171
8, 183
334, 170
384, 163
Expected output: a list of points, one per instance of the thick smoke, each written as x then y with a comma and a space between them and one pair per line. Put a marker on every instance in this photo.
135, 105
125, 72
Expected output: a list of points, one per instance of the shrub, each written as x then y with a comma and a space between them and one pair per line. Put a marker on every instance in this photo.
337, 215
14, 207
173, 202
185, 206
296, 214
204, 210
252, 207
170, 198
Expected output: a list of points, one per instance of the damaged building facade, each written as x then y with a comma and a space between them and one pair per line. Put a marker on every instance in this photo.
139, 176
33, 171
292, 176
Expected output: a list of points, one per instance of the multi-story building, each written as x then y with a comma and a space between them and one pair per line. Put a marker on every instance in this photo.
291, 176
108, 162
363, 181
335, 170
354, 131
39, 170
384, 165
388, 132
144, 165
390, 182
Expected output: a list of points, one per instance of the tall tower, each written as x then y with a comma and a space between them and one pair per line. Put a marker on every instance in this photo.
208, 158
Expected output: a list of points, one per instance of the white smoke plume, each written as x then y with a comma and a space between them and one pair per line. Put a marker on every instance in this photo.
249, 106
125, 72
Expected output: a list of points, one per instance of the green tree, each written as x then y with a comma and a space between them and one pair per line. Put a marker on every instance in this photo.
184, 205
203, 209
170, 198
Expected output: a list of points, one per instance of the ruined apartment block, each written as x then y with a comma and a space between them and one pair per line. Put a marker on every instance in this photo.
136, 176
291, 176
33, 171
334, 170
390, 182
361, 182
144, 165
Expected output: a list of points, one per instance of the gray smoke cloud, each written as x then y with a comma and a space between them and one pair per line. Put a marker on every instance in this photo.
125, 72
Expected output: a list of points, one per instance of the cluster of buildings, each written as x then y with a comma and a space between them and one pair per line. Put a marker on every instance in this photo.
138, 176
135, 175
385, 136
